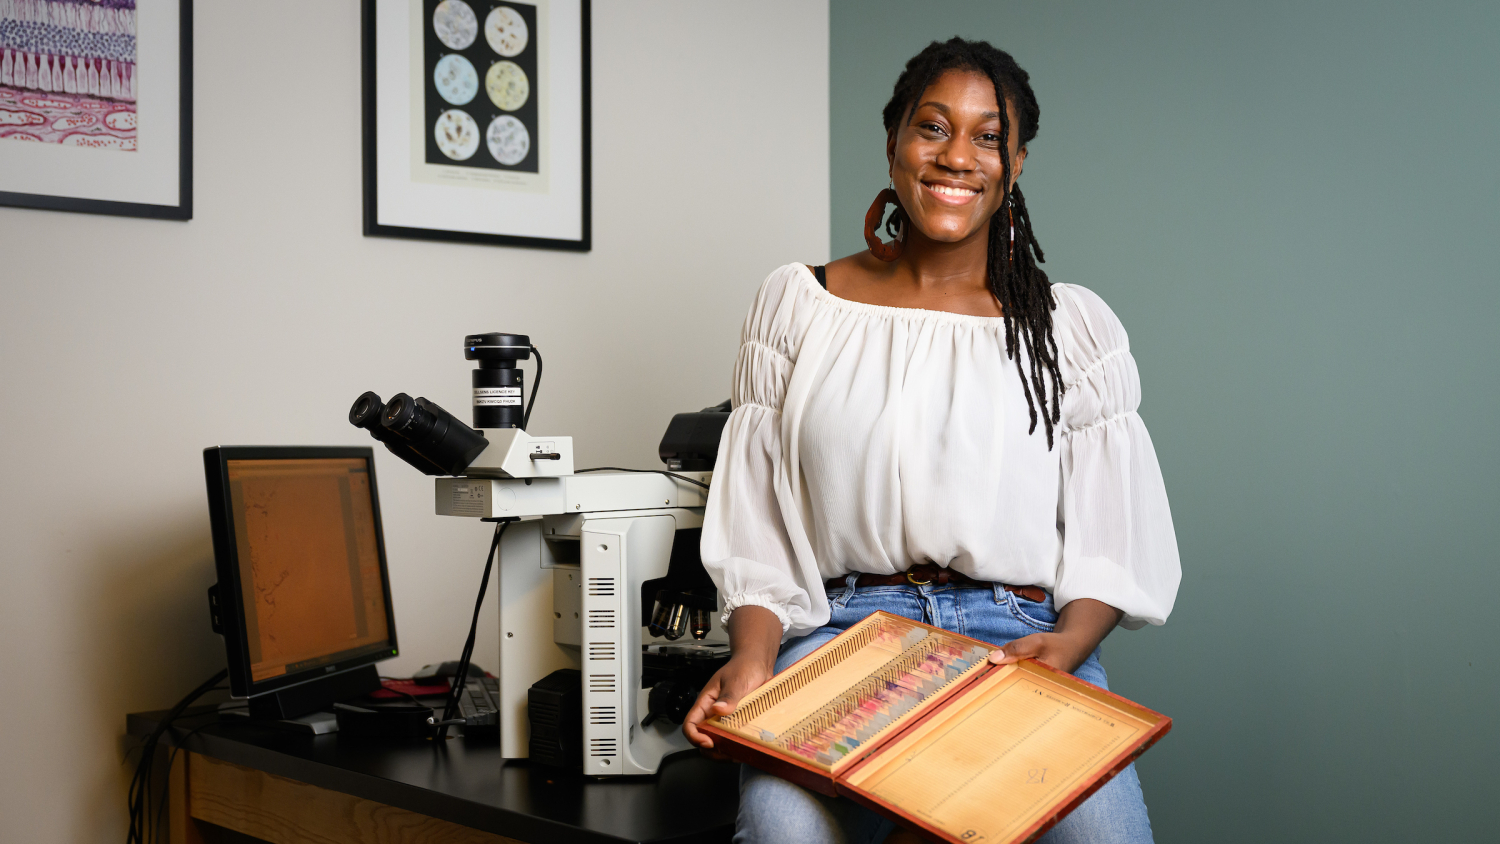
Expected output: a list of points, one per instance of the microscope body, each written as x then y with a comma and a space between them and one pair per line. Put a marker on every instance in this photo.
574, 584
581, 566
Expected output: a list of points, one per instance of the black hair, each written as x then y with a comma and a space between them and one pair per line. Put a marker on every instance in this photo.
1024, 293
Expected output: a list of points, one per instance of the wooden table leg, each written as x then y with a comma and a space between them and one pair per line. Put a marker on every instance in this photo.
181, 828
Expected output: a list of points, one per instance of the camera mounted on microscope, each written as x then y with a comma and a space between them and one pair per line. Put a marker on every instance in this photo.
498, 382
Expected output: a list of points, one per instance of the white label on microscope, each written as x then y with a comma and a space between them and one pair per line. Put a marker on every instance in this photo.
469, 498
497, 396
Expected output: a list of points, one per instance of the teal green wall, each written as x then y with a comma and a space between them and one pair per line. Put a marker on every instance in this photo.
1293, 208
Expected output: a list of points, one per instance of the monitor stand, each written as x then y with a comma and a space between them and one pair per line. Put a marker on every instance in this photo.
316, 724
317, 695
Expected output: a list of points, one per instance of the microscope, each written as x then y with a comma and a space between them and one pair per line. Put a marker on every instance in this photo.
599, 578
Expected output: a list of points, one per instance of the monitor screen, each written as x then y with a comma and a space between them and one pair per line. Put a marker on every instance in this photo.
307, 560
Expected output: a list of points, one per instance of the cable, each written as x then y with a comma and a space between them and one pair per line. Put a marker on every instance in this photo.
685, 479
161, 804
462, 677
139, 796
535, 385
138, 799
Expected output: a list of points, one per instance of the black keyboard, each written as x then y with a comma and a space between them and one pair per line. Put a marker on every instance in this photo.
479, 706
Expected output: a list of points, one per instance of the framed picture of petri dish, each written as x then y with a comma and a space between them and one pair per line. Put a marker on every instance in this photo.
476, 121
96, 106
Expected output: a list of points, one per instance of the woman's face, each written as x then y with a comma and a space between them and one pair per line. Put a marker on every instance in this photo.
945, 162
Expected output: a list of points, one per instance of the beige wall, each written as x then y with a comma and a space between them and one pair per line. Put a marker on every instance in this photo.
130, 345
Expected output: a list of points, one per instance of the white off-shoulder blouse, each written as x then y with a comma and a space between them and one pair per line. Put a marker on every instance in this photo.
868, 439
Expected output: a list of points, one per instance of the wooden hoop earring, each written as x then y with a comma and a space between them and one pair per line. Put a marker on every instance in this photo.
887, 252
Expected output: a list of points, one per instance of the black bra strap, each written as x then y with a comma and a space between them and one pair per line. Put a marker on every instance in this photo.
821, 275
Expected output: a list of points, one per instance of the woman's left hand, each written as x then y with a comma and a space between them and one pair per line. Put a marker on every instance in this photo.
1081, 626
1055, 649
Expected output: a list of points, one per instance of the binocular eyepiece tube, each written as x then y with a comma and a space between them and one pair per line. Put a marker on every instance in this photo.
419, 431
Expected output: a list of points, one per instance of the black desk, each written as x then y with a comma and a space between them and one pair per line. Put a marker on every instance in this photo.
691, 799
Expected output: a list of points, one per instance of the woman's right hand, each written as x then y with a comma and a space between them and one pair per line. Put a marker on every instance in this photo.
754, 638
739, 677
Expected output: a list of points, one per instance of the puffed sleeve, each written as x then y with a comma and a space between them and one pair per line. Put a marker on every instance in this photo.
750, 541
1118, 543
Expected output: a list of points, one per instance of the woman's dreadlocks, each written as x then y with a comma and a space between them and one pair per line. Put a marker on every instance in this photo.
1024, 293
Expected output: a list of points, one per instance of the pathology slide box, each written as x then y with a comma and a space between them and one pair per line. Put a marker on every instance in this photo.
915, 722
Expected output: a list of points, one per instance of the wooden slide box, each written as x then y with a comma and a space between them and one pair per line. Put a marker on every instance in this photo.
914, 722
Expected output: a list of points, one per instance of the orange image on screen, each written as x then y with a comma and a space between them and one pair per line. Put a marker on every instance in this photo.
309, 562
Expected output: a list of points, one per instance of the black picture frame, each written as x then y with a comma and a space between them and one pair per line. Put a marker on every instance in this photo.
374, 228
183, 210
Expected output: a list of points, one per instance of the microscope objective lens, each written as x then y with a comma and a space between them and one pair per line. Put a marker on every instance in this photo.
677, 622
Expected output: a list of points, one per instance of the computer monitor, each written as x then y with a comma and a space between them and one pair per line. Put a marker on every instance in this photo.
303, 599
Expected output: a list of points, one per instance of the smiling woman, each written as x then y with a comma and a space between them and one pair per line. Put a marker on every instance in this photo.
883, 451
948, 165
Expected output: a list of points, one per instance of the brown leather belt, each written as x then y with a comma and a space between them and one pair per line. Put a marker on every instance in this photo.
925, 573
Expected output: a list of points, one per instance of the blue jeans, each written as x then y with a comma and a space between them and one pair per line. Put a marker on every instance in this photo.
774, 810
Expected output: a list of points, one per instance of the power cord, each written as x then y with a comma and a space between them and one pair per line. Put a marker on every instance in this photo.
139, 797
685, 479
462, 677
161, 804
535, 385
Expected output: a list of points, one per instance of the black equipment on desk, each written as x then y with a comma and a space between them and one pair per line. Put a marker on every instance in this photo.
479, 714
479, 707
303, 599
383, 720
691, 443
554, 707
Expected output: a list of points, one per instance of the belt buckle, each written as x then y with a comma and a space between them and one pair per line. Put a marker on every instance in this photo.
913, 581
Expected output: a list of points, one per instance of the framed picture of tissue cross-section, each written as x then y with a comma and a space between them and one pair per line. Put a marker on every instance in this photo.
476, 121
96, 106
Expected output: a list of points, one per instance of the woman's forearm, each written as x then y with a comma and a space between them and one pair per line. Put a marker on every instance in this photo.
1087, 621
755, 635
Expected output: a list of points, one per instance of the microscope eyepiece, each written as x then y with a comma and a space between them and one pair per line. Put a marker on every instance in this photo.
400, 413
366, 411
412, 418
432, 432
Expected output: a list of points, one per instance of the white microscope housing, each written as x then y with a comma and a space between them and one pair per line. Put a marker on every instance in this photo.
570, 577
